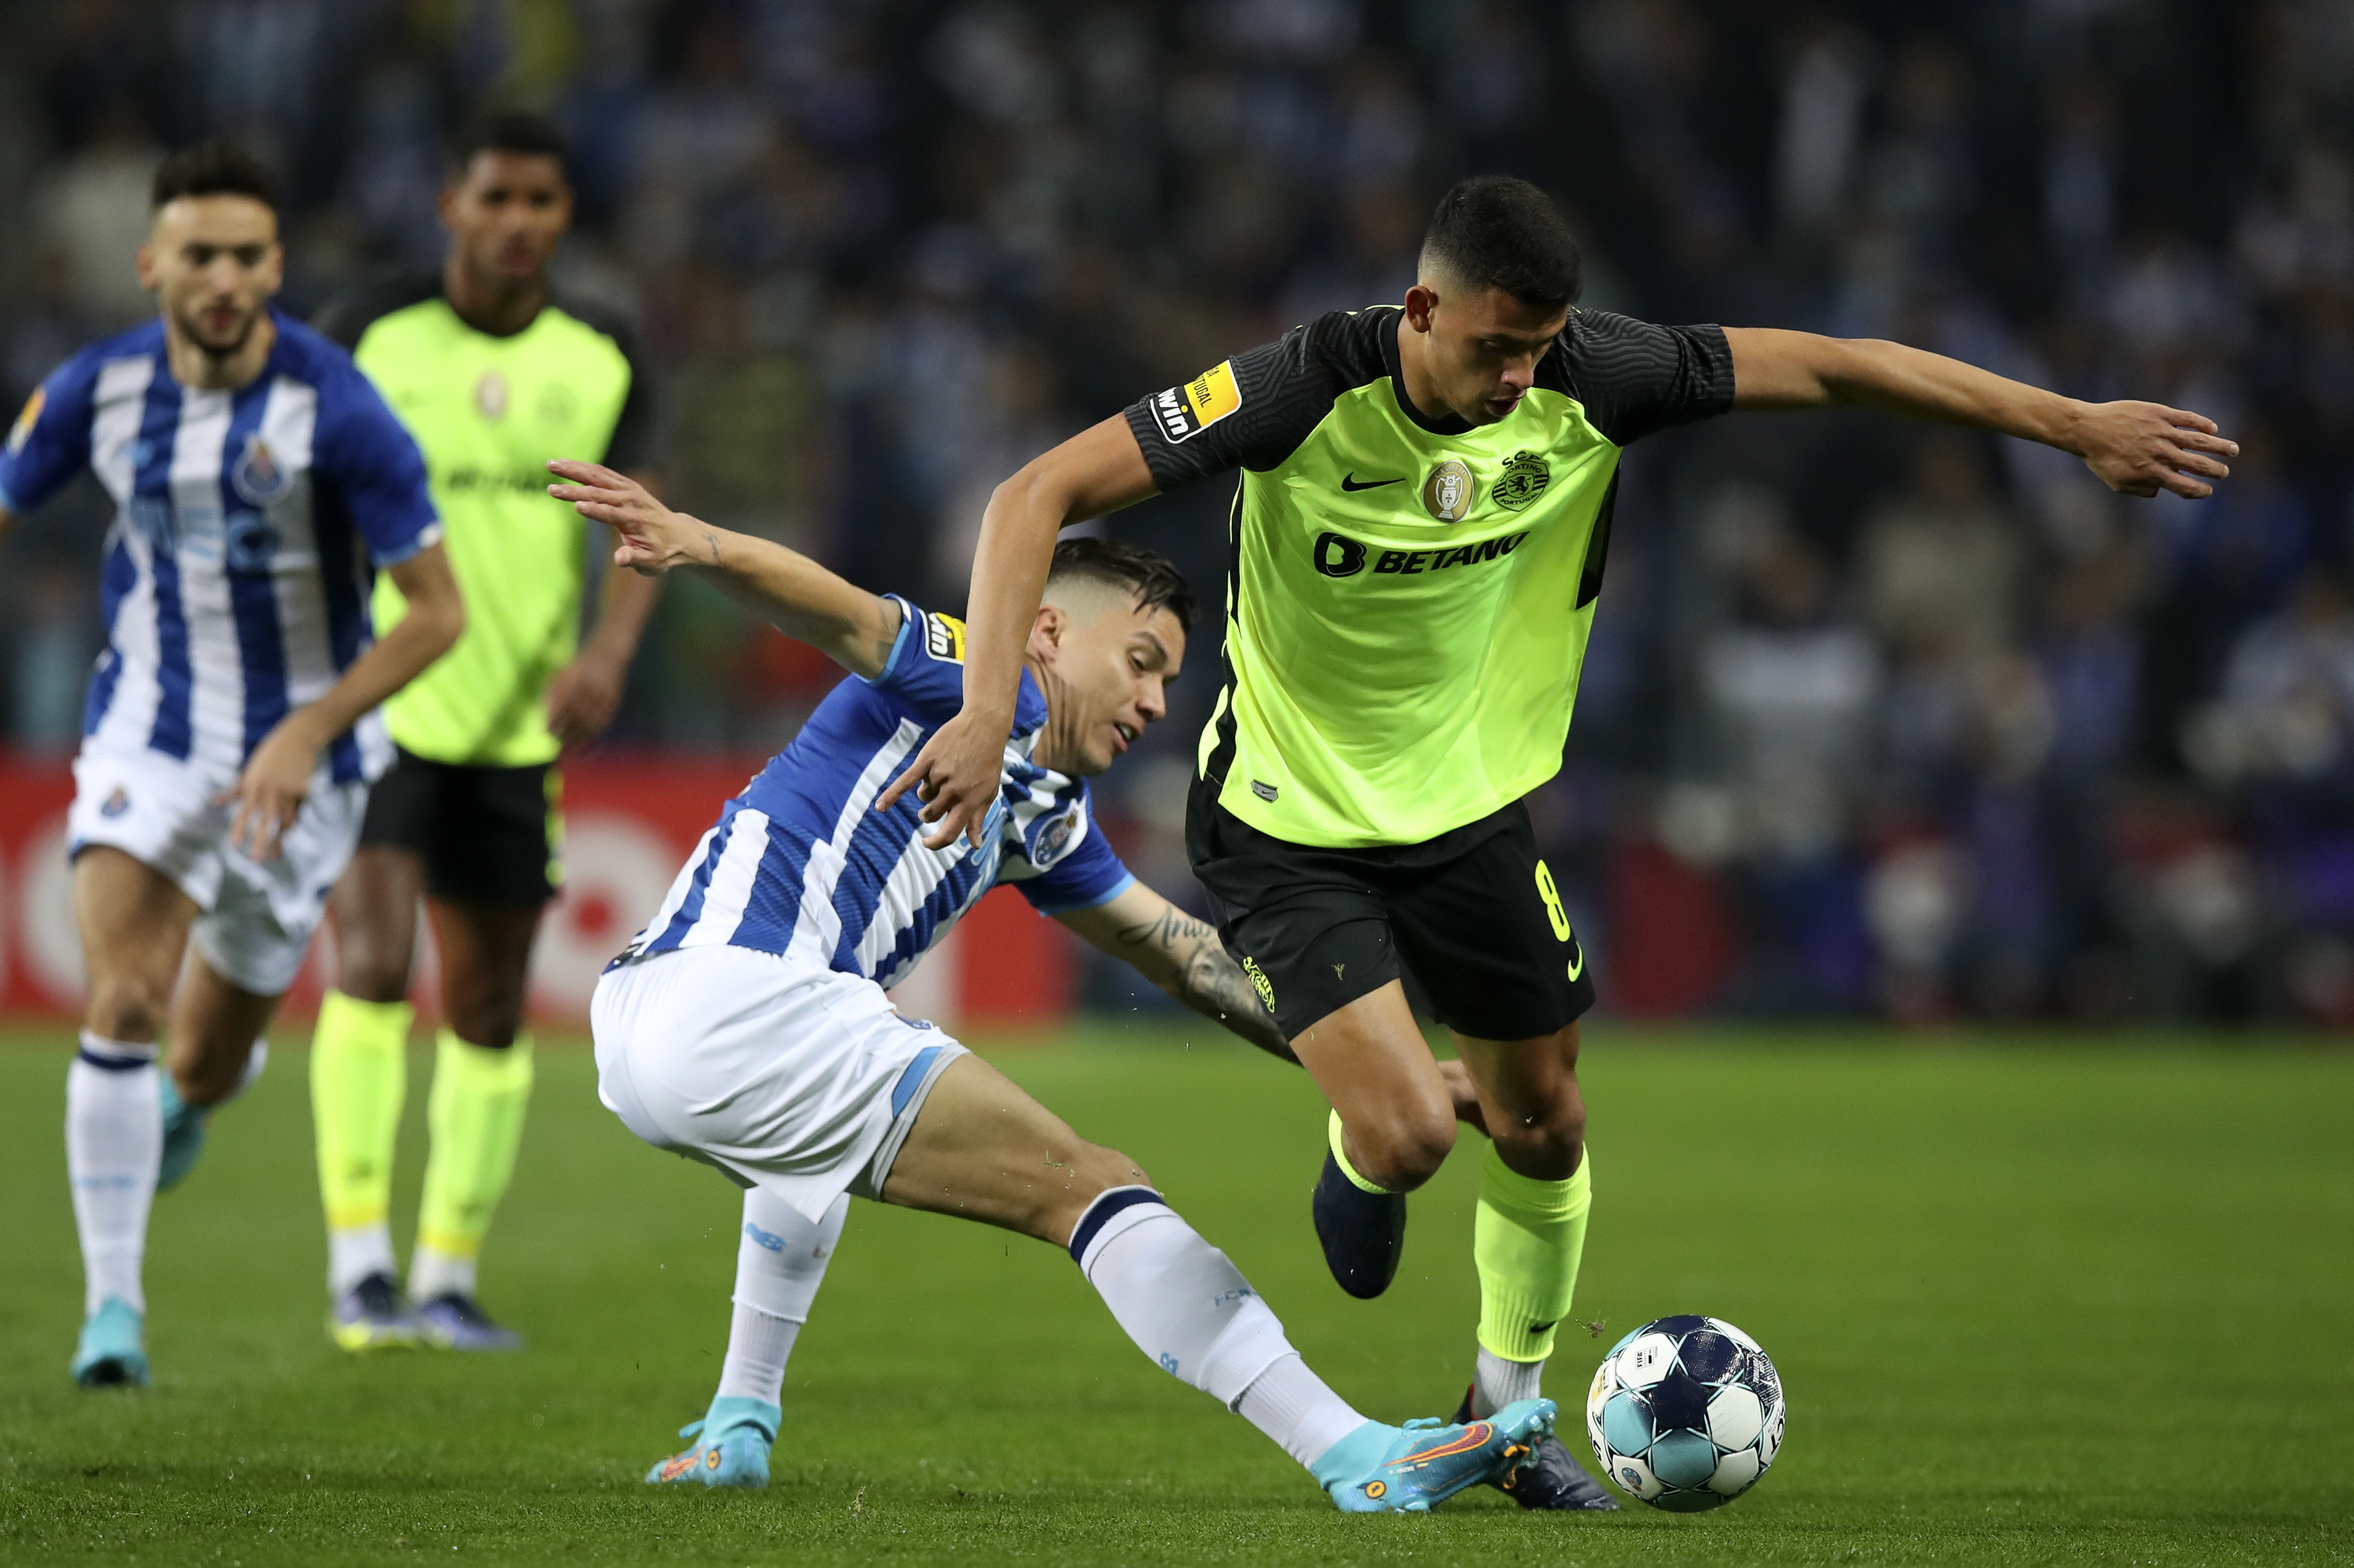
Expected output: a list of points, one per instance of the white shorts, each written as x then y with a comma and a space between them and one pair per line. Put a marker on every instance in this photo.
257, 915
802, 1080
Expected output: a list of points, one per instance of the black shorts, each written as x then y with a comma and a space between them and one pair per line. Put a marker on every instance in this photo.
1472, 915
487, 835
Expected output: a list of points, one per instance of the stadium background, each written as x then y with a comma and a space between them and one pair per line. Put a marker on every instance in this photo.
1879, 720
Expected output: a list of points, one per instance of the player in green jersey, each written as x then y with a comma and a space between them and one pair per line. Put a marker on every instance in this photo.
1418, 538
491, 374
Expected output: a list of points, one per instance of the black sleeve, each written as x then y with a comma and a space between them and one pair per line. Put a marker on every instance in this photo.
632, 448
344, 318
1635, 378
1249, 411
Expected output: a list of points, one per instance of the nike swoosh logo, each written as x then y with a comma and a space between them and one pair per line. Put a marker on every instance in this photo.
1350, 482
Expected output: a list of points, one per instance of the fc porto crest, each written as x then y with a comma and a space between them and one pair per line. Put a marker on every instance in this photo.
491, 394
1446, 495
258, 475
1524, 478
1055, 836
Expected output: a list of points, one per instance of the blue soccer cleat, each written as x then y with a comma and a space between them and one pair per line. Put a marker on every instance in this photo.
1393, 1470
454, 1322
1548, 1479
733, 1450
185, 1127
111, 1353
371, 1315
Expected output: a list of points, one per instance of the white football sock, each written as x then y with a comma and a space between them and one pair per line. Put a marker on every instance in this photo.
1497, 1383
114, 1143
1291, 1404
1194, 1314
780, 1261
432, 1272
352, 1255
256, 1058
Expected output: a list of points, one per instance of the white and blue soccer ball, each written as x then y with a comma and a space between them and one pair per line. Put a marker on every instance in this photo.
1685, 1412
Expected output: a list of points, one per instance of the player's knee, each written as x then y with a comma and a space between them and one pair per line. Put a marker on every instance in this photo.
128, 1007
1404, 1151
1548, 1146
373, 971
1100, 1169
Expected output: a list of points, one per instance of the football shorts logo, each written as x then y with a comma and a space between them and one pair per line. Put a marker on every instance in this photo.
258, 475
1265, 791
1260, 983
944, 638
1186, 411
115, 804
491, 394
1447, 493
1524, 478
23, 431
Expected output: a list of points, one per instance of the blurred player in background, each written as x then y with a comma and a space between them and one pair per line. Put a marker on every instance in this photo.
1418, 539
491, 375
231, 729
747, 1025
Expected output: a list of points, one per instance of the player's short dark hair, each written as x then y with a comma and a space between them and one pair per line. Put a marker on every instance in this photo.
1494, 231
504, 131
214, 166
1150, 577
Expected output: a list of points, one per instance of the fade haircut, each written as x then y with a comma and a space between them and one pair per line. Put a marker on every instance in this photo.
214, 166
1150, 579
1496, 232
504, 131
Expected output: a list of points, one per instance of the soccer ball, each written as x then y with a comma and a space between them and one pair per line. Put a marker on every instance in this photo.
1685, 1412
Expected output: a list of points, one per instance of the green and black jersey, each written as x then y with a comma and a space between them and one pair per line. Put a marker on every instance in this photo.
1408, 598
488, 412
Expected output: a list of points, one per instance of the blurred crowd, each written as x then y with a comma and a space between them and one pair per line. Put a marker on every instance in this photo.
1878, 718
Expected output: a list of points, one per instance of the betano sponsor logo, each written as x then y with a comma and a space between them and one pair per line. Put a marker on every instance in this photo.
1338, 556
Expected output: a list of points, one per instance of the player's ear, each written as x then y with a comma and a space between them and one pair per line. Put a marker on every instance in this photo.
1421, 301
1046, 631
145, 262
445, 206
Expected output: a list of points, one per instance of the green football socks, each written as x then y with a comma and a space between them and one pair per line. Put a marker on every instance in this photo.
1527, 1239
475, 1113
359, 1075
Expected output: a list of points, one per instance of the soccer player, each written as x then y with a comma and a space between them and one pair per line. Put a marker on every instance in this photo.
1418, 538
747, 1025
492, 373
231, 729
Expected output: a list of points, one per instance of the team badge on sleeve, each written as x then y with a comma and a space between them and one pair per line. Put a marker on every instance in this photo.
944, 638
1186, 411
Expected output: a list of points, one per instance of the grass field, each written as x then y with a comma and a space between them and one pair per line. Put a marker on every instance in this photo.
2032, 1302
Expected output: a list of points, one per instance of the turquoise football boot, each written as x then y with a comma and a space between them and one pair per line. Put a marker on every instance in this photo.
185, 1127
112, 1352
733, 1450
1405, 1470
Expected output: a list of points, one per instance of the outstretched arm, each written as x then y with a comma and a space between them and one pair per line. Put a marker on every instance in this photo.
803, 600
2135, 449
1183, 957
1099, 470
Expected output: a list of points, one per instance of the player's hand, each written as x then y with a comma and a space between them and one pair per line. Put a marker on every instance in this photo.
268, 794
651, 537
2140, 449
582, 698
1464, 1092
956, 776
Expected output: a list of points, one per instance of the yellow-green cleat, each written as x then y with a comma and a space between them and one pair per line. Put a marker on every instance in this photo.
373, 1316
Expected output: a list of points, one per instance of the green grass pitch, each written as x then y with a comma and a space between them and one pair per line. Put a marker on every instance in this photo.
2033, 1302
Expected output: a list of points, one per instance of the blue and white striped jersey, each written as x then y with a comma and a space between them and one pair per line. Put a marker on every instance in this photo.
247, 527
800, 863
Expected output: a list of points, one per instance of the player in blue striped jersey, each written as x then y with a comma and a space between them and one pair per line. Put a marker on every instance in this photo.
747, 1025
259, 483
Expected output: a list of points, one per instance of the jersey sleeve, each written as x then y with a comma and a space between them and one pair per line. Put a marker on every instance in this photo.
368, 455
631, 448
1635, 378
926, 669
1089, 873
1249, 411
49, 442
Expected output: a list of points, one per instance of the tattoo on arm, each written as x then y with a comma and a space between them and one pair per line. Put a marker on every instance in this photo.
711, 543
1194, 968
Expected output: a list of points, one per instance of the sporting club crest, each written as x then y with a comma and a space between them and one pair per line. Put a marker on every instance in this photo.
1524, 478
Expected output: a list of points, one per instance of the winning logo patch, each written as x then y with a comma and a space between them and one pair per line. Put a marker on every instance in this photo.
1447, 493
1186, 411
1524, 478
27, 419
944, 638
